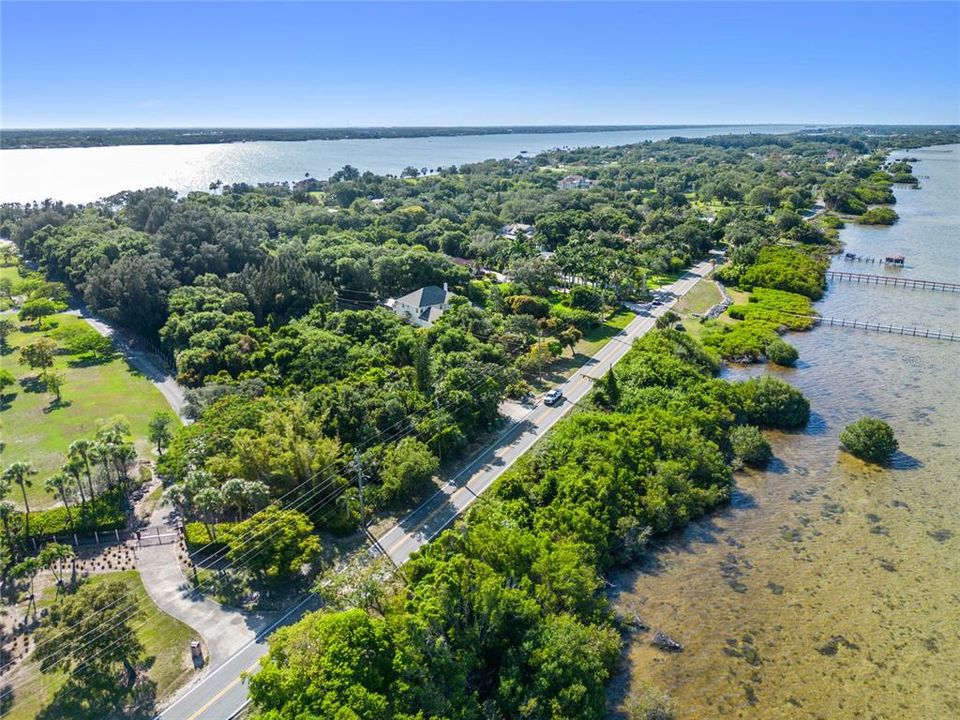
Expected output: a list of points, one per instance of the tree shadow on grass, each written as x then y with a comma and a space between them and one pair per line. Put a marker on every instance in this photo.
33, 384
88, 361
56, 405
6, 399
94, 698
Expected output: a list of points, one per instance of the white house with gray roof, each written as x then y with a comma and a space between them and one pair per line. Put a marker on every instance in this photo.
422, 307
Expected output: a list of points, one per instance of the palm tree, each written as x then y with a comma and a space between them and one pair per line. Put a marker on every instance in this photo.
29, 569
239, 493
101, 452
52, 557
73, 468
57, 485
209, 504
20, 472
123, 456
234, 494
80, 450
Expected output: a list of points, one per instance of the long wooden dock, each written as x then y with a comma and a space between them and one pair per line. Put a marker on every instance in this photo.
889, 329
893, 280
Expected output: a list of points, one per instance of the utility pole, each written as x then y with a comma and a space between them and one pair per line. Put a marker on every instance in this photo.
363, 516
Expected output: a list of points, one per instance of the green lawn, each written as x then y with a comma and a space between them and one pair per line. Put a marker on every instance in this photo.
167, 643
703, 296
36, 430
10, 272
658, 281
596, 338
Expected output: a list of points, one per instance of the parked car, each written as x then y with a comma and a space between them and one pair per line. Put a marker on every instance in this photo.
552, 397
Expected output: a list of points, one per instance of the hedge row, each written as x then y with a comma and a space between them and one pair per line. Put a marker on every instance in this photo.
104, 513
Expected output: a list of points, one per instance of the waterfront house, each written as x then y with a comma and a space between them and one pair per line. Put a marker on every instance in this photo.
422, 307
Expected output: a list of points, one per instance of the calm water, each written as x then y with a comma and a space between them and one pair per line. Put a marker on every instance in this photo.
831, 589
86, 174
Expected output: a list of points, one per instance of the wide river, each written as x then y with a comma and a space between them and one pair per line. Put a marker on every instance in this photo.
831, 589
85, 174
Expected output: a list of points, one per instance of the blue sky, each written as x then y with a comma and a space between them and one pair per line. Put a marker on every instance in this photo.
312, 64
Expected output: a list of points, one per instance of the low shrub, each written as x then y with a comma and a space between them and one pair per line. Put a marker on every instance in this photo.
879, 216
869, 439
197, 536
769, 402
744, 342
790, 269
750, 445
781, 353
583, 320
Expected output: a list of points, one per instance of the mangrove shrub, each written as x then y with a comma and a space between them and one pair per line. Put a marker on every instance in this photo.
869, 439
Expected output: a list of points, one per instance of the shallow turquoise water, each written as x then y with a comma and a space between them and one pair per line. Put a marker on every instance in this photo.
831, 589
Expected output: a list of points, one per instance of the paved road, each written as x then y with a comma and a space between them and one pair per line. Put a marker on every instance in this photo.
221, 694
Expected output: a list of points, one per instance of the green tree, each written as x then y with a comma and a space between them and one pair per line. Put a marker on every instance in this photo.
7, 328
39, 309
7, 379
7, 511
57, 484
19, 473
273, 545
869, 439
407, 468
89, 636
209, 505
73, 468
28, 569
82, 450
667, 320
568, 665
54, 382
52, 557
38, 355
569, 337
315, 668
421, 365
158, 430
245, 494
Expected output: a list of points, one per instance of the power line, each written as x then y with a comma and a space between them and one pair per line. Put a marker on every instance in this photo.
330, 481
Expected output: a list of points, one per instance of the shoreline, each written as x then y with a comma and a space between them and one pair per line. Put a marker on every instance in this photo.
132, 137
811, 541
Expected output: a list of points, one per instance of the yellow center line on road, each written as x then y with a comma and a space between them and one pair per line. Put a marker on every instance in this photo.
223, 692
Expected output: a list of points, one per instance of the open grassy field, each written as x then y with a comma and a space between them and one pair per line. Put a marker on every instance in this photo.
9, 272
37, 430
166, 640
596, 338
701, 298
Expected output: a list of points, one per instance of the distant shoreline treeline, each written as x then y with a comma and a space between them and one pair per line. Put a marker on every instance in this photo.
104, 137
